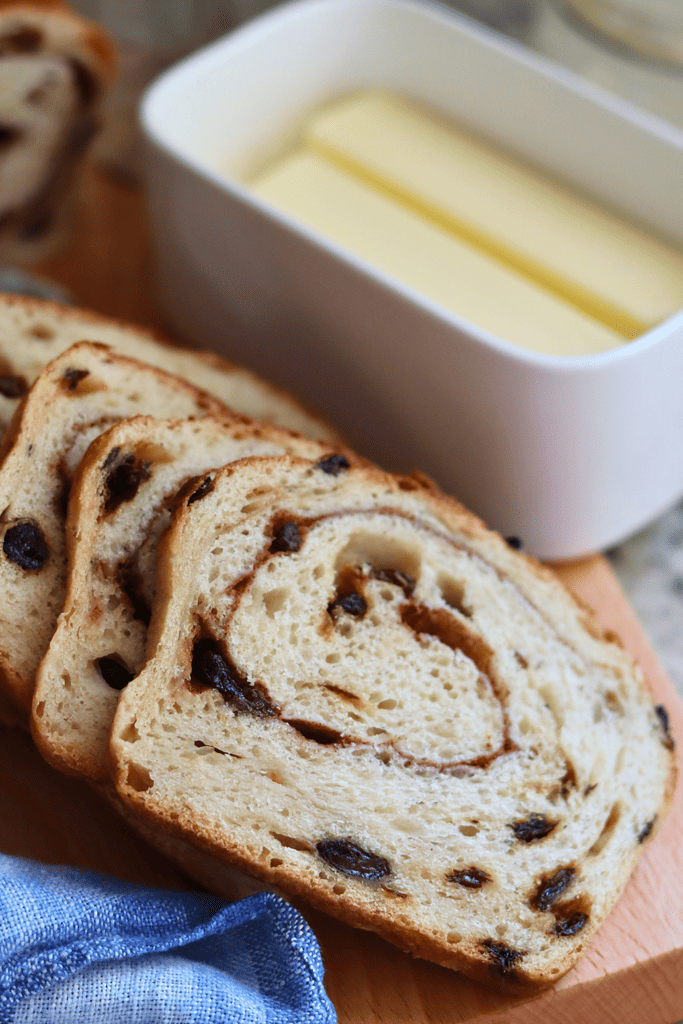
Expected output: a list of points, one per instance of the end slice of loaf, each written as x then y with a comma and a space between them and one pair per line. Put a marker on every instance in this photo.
33, 332
80, 394
99, 642
357, 693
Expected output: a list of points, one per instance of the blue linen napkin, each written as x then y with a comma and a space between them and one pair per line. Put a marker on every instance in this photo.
81, 948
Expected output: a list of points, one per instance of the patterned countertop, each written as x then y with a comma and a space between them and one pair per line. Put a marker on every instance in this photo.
650, 568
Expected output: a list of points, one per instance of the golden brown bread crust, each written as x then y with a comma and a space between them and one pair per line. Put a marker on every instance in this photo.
226, 370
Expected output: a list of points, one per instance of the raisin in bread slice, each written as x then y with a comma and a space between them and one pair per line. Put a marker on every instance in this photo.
54, 69
78, 395
34, 331
119, 505
358, 693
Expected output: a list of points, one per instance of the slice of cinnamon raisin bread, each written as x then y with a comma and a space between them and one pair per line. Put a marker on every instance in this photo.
78, 395
33, 331
54, 67
358, 693
118, 508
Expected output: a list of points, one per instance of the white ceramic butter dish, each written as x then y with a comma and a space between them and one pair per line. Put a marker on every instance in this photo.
569, 454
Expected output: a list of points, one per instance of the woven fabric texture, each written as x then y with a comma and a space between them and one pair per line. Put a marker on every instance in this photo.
83, 948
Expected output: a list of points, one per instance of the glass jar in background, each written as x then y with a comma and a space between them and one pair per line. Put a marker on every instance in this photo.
513, 17
633, 47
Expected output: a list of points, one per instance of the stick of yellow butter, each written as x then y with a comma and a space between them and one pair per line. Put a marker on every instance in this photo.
424, 257
602, 264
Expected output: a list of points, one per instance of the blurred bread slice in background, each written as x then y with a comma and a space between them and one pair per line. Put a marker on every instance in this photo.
54, 70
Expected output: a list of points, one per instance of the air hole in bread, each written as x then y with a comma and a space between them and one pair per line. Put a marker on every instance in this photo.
293, 844
453, 593
551, 701
453, 937
114, 672
207, 748
607, 831
468, 830
130, 734
138, 778
275, 600
315, 731
344, 694
388, 560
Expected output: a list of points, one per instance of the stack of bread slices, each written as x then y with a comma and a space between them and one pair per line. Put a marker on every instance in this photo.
279, 660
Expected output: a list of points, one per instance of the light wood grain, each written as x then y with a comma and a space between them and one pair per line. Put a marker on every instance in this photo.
632, 972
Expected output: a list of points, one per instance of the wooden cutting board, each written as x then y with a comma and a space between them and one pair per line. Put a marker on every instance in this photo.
631, 974
633, 971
